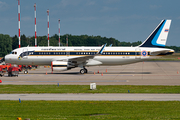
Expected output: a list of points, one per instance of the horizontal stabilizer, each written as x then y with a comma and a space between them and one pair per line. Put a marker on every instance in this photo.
159, 52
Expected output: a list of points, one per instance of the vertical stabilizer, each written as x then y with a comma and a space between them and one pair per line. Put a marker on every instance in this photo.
158, 37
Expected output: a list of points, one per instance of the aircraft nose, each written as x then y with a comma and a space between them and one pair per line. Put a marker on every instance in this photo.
7, 58
13, 59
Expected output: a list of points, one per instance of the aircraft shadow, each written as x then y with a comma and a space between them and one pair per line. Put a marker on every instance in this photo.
122, 73
73, 73
90, 72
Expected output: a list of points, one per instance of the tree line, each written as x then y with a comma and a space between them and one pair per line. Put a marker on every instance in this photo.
9, 43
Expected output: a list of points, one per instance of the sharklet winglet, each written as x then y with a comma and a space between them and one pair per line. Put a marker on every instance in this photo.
101, 50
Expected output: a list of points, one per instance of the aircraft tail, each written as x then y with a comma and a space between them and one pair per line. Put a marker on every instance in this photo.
158, 37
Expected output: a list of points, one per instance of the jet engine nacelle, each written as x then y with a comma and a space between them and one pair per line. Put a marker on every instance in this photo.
59, 66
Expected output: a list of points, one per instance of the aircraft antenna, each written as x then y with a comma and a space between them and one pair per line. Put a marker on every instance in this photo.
35, 24
48, 25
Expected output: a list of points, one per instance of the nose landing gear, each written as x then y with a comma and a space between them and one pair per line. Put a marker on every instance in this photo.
26, 71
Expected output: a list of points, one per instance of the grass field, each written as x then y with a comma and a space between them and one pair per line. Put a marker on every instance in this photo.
116, 110
86, 89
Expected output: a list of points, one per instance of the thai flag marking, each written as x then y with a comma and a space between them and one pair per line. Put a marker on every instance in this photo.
166, 30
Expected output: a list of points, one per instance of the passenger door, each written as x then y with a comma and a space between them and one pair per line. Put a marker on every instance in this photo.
137, 53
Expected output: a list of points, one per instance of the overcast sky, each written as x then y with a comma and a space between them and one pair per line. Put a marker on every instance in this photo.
124, 20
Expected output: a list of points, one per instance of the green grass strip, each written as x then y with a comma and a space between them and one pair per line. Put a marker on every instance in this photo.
86, 89
94, 110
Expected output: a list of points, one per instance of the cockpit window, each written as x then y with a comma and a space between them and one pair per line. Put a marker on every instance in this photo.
13, 53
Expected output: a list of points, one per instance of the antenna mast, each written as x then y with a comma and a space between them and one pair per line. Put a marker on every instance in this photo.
35, 24
48, 25
59, 33
19, 23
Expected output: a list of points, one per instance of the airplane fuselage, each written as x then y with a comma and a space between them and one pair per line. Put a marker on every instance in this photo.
110, 55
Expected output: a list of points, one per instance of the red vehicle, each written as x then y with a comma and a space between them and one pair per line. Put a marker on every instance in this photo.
26, 66
1, 72
13, 71
5, 67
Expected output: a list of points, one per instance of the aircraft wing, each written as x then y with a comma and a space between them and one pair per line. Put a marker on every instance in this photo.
79, 60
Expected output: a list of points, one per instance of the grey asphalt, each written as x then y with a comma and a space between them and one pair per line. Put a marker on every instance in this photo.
142, 73
93, 97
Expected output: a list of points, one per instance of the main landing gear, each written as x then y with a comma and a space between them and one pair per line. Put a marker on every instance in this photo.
26, 70
82, 71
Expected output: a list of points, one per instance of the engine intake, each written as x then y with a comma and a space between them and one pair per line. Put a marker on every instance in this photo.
59, 66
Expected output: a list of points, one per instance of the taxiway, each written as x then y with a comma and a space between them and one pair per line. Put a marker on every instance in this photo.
142, 73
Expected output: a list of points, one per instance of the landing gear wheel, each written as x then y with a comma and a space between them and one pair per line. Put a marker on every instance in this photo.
82, 71
25, 72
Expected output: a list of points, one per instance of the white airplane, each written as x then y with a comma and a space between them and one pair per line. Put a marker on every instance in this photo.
65, 58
